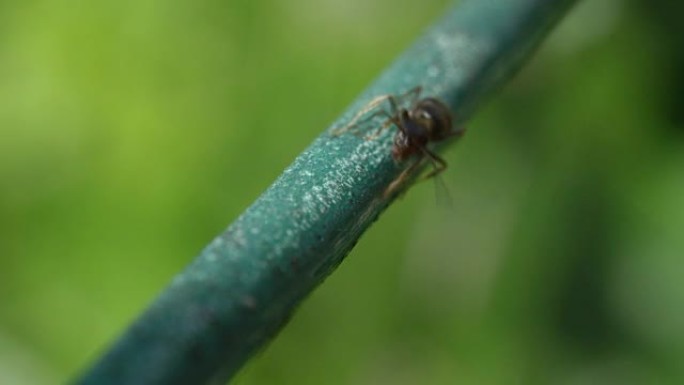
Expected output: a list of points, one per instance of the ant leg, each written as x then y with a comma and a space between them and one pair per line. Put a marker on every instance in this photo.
411, 95
352, 126
394, 106
374, 103
459, 131
394, 116
438, 163
391, 117
397, 183
390, 120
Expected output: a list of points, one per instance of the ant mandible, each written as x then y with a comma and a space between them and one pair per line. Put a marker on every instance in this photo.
426, 120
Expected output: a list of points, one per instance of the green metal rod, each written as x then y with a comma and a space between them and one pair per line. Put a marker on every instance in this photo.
247, 282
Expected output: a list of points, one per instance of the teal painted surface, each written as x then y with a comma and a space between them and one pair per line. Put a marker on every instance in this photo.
245, 285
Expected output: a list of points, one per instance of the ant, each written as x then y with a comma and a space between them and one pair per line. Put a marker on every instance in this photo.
426, 120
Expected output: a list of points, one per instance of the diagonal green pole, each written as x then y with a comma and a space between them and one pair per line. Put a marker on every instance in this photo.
245, 284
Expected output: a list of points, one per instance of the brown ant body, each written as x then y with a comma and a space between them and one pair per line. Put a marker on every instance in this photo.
425, 121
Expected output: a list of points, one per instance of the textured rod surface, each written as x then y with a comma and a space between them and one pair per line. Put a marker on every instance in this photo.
246, 283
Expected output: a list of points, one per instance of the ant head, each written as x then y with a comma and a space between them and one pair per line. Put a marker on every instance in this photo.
434, 116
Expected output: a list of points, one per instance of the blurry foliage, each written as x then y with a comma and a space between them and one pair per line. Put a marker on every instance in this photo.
132, 132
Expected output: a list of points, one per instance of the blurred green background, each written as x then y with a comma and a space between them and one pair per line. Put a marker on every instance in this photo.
132, 132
